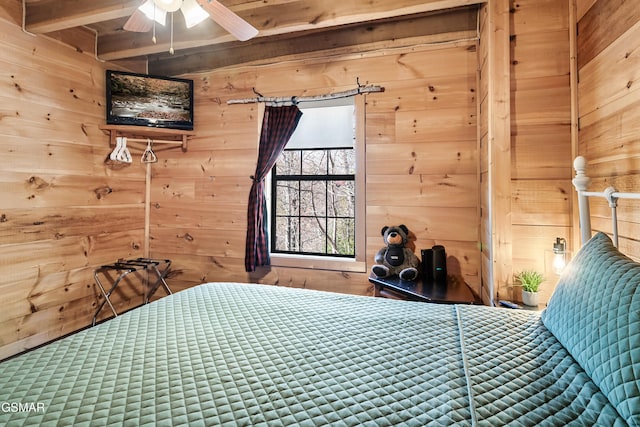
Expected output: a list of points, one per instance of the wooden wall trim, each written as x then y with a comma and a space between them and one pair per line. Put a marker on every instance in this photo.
499, 140
582, 6
575, 119
486, 270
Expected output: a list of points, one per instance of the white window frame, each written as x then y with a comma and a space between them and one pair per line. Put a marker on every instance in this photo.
317, 262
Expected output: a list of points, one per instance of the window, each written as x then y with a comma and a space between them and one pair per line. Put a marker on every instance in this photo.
314, 202
317, 192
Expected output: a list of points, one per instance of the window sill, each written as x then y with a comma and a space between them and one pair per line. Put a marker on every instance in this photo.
318, 263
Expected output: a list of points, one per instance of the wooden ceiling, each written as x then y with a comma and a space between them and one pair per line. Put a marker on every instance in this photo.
286, 28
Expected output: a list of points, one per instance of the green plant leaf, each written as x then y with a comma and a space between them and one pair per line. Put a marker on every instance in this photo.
530, 280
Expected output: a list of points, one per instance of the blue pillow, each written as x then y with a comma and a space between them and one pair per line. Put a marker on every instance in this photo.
595, 314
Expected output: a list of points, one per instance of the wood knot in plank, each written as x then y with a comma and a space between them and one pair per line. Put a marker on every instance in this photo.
317, 19
16, 85
88, 243
188, 237
38, 183
102, 191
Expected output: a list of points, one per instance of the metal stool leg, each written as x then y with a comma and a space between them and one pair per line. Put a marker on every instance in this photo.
106, 294
160, 281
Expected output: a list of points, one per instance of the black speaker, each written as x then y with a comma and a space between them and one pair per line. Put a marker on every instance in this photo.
439, 264
427, 265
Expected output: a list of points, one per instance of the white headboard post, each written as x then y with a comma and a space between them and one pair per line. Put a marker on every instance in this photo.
581, 183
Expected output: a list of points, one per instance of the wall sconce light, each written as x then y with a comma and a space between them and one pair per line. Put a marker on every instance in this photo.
559, 255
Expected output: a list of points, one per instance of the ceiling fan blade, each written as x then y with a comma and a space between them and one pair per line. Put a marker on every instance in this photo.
228, 20
138, 23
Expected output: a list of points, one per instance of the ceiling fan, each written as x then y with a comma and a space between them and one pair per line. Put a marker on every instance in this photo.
194, 12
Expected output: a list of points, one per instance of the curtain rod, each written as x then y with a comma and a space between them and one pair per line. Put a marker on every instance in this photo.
296, 99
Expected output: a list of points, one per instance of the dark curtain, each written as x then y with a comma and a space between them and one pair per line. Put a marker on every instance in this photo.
278, 125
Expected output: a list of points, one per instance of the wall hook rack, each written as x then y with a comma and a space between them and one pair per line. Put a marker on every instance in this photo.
143, 134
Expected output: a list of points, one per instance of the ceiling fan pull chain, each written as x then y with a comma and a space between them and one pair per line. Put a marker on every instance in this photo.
153, 38
171, 45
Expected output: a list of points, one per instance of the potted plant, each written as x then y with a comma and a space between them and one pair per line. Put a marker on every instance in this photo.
530, 281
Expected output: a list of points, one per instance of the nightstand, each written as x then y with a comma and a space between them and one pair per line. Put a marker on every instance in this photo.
522, 306
455, 291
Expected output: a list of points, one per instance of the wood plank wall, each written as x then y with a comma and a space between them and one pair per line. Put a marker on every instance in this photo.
539, 177
62, 212
541, 190
608, 46
421, 163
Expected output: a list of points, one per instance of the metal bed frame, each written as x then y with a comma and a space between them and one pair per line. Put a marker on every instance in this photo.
581, 183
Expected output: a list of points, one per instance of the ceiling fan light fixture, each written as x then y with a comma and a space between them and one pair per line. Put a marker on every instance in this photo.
153, 12
193, 13
168, 5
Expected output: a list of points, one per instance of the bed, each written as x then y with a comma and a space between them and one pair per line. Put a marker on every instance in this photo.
257, 355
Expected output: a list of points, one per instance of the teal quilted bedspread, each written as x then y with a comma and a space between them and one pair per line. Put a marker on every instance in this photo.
257, 355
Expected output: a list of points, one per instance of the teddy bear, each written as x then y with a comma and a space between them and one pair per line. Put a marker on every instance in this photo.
395, 258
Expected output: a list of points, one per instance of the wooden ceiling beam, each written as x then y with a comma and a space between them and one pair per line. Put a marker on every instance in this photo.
272, 19
305, 15
357, 38
54, 15
277, 20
